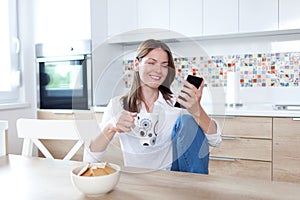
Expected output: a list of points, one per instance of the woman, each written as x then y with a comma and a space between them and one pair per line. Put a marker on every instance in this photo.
183, 134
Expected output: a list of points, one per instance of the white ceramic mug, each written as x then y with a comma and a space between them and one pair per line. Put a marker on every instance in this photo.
146, 127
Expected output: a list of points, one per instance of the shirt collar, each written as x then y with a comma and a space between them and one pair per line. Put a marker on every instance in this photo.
159, 102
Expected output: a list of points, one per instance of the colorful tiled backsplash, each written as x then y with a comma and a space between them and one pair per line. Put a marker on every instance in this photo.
256, 70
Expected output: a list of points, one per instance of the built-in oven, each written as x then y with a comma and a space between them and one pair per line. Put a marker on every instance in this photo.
64, 75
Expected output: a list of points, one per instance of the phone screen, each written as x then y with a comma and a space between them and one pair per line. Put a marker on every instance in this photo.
196, 81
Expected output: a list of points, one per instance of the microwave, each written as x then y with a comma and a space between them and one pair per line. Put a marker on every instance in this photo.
64, 75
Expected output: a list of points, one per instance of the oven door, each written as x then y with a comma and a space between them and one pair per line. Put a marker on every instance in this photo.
63, 82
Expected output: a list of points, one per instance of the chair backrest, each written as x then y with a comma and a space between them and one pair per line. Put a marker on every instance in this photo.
3, 137
32, 130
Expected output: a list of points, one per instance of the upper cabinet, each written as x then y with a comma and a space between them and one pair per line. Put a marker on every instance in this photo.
121, 16
289, 15
62, 20
257, 15
168, 19
220, 17
137, 20
186, 17
153, 14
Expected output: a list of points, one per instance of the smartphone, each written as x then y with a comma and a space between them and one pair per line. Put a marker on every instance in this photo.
196, 81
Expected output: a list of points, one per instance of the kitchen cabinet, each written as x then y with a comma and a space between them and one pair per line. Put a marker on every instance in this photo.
138, 20
196, 19
61, 20
186, 17
289, 15
286, 157
153, 14
245, 149
121, 16
257, 15
220, 17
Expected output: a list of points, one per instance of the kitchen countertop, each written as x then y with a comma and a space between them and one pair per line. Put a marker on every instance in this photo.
259, 110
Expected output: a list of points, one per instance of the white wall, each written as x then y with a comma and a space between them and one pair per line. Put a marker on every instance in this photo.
28, 78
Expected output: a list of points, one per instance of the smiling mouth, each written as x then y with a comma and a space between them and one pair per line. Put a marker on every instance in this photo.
156, 78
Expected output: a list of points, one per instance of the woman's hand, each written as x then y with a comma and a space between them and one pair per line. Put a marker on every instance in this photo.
191, 97
125, 121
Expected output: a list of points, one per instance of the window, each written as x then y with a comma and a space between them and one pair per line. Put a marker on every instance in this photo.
9, 51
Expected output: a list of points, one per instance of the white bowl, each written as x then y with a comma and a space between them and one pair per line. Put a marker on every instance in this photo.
95, 185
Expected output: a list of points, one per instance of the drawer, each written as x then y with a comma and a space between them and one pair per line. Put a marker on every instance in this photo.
248, 127
242, 148
241, 168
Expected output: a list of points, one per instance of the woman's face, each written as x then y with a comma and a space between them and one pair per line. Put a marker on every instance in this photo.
153, 68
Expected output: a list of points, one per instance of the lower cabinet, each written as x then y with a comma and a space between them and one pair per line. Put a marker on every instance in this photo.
265, 148
286, 149
246, 149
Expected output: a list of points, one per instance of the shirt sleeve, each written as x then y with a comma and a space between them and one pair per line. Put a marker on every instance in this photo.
92, 157
215, 139
108, 117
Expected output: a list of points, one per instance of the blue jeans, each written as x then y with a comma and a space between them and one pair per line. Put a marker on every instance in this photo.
190, 146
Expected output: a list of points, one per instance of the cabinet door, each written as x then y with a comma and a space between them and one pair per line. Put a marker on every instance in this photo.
289, 15
257, 15
220, 17
153, 14
62, 20
286, 149
121, 16
186, 17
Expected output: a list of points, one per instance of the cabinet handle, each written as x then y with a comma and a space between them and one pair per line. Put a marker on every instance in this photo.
223, 116
296, 119
229, 138
223, 159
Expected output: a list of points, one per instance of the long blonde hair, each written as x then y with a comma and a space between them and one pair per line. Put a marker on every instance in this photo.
132, 100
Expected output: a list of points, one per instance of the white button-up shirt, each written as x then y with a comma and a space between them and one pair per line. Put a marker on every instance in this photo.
158, 156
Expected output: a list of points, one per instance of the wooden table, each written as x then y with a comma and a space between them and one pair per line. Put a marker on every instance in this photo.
39, 178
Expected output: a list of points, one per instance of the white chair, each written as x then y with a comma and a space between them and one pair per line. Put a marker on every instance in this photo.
32, 130
3, 137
